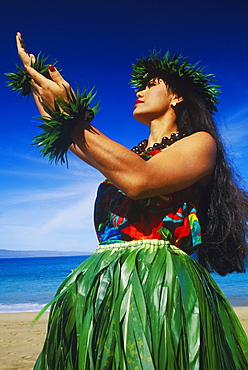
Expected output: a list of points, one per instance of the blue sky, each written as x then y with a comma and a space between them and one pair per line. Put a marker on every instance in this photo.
50, 207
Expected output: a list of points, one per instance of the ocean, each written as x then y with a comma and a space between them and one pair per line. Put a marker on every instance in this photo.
27, 284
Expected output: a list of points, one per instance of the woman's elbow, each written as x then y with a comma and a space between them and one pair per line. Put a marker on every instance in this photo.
136, 191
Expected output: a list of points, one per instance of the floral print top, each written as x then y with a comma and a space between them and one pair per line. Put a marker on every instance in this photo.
171, 217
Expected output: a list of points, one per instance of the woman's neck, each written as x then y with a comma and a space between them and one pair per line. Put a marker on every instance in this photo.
158, 130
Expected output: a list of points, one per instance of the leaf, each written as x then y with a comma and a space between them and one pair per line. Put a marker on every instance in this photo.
179, 73
20, 81
55, 138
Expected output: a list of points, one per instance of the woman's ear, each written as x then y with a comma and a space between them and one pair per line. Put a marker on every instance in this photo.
176, 100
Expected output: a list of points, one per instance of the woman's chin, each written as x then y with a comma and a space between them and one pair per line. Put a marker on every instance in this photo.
142, 118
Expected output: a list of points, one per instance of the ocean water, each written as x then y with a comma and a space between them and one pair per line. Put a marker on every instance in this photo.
27, 284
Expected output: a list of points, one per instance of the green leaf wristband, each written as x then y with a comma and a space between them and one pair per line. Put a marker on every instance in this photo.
20, 81
55, 138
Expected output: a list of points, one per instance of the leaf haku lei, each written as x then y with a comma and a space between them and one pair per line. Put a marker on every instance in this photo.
179, 74
55, 138
20, 81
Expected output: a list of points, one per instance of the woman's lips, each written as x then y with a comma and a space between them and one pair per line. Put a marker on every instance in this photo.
138, 102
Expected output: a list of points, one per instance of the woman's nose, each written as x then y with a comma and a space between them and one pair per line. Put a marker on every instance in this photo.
139, 94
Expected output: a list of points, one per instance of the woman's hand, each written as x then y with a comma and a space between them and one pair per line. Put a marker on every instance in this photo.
44, 90
23, 54
47, 90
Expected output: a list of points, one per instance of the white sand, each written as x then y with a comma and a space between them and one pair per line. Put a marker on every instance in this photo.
21, 343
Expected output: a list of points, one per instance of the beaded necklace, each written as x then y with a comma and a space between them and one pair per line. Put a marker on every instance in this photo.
166, 141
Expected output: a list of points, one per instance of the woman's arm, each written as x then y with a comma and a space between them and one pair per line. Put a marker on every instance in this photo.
78, 152
189, 160
47, 91
44, 89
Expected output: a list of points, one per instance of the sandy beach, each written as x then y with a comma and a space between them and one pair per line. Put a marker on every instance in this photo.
20, 342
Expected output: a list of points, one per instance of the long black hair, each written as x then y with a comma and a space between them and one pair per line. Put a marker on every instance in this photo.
224, 209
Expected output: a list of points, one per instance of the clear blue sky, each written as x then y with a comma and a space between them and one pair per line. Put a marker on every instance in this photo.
46, 206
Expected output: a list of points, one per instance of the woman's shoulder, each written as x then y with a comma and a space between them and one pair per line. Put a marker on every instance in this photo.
200, 138
207, 145
200, 145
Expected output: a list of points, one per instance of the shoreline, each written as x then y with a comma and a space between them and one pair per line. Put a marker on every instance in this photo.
21, 342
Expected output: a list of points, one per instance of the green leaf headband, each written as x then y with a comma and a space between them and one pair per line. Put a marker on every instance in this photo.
183, 77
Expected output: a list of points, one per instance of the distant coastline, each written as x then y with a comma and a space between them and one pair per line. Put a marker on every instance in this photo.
6, 253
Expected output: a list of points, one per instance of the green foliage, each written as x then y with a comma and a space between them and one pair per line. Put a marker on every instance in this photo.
55, 138
165, 233
179, 74
147, 305
20, 81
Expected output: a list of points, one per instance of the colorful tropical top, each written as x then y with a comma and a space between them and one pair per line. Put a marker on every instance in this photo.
170, 217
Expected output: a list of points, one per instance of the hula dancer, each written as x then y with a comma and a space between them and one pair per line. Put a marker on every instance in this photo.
140, 301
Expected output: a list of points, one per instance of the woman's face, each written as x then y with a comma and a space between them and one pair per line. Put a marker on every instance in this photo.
152, 102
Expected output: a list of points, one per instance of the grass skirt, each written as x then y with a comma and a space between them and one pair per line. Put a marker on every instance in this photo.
142, 305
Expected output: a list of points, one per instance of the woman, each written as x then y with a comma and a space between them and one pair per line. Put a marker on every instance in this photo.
140, 301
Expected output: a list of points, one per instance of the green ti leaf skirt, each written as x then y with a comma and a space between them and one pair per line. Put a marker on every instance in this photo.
142, 305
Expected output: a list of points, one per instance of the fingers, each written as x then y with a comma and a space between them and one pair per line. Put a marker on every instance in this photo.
26, 58
21, 48
36, 87
38, 77
40, 91
20, 42
43, 97
47, 89
32, 57
57, 78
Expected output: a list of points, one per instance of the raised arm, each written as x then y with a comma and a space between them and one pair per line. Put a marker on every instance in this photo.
44, 89
189, 160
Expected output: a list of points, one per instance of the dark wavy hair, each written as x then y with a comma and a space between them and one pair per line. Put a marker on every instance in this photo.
223, 212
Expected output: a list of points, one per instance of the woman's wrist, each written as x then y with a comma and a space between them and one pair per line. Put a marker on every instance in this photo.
20, 81
65, 125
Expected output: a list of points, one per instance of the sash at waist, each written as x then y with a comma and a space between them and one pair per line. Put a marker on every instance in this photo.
134, 244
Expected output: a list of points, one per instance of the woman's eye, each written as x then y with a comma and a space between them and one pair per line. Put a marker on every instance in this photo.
151, 83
